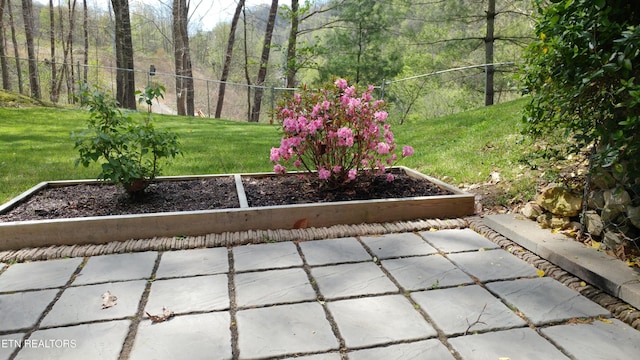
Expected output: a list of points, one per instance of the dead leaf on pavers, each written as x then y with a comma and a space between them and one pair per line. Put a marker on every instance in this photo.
108, 300
166, 315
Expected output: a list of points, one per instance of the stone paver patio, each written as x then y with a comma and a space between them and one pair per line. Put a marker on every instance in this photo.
446, 294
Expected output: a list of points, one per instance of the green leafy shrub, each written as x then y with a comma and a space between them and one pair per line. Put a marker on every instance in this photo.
129, 151
583, 73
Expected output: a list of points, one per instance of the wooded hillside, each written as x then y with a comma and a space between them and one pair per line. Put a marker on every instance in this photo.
76, 44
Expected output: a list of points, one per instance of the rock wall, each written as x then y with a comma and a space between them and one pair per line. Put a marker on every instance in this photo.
612, 217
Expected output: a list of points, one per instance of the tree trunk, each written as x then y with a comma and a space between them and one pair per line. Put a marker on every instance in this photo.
227, 59
27, 14
85, 28
53, 95
15, 48
182, 57
291, 45
264, 62
125, 80
4, 68
246, 62
488, 46
71, 79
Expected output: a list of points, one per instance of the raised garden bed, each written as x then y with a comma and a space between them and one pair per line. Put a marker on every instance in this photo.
449, 202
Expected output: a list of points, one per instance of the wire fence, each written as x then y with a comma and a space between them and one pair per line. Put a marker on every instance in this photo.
421, 96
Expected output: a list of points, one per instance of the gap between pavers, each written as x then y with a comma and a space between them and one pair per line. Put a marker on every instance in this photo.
597, 268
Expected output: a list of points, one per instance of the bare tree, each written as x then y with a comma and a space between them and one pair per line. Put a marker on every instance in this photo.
291, 44
4, 68
27, 14
488, 53
264, 62
14, 41
53, 94
85, 30
227, 58
246, 61
182, 57
125, 80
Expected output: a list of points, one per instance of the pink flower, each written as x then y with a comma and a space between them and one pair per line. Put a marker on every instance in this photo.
337, 169
407, 151
352, 174
325, 105
383, 148
297, 163
275, 154
279, 169
324, 174
341, 84
350, 91
381, 115
390, 177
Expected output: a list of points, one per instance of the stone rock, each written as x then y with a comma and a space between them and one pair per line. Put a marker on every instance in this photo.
550, 221
602, 179
559, 200
594, 223
616, 196
611, 239
634, 215
531, 210
595, 199
610, 214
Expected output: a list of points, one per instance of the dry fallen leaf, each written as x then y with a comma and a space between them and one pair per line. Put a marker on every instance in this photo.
301, 224
108, 300
166, 315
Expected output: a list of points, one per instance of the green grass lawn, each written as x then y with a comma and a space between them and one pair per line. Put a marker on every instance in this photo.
35, 146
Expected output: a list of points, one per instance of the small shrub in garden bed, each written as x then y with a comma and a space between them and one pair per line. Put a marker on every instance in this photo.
337, 132
130, 151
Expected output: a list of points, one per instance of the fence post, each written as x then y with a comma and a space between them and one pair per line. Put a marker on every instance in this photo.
273, 103
208, 101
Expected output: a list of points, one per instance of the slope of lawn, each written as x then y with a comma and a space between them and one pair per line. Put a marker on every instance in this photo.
463, 148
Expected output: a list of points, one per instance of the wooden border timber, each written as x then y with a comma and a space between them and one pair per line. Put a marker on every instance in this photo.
103, 229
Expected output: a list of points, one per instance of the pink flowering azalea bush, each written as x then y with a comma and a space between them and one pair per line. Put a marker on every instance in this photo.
336, 132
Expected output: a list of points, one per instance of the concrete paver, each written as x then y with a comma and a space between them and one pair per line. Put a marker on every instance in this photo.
425, 272
266, 256
444, 294
193, 262
397, 245
465, 310
201, 336
431, 349
456, 240
38, 275
273, 287
84, 303
333, 251
9, 343
544, 300
284, 329
379, 320
608, 339
363, 279
521, 344
22, 310
492, 265
201, 293
117, 267
99, 341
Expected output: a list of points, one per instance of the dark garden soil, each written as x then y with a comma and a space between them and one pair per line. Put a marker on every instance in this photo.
207, 194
